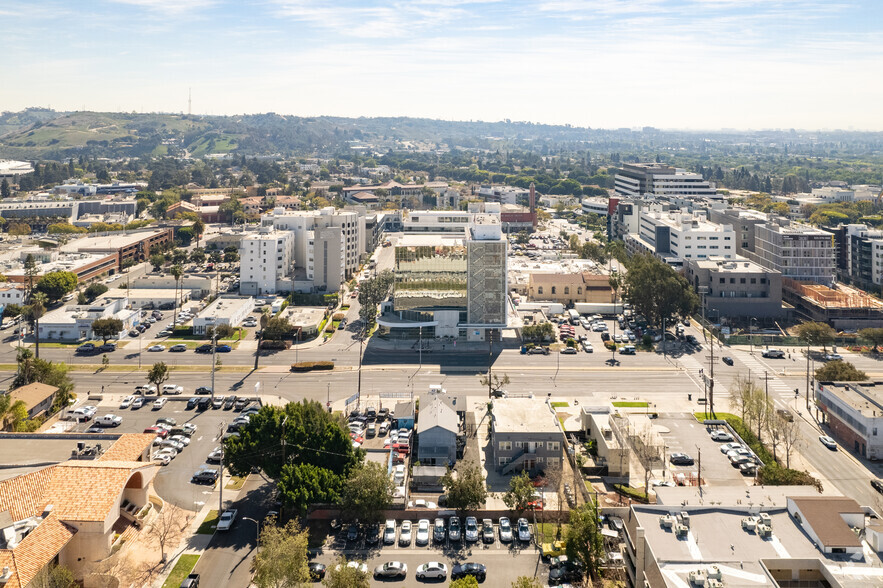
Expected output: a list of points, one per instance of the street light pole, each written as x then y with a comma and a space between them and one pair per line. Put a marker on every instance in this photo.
257, 533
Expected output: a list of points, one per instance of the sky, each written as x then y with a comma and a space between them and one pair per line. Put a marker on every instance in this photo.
686, 64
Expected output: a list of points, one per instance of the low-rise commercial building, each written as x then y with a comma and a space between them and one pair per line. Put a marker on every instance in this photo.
525, 435
85, 266
736, 287
74, 322
569, 289
128, 247
225, 310
854, 413
150, 297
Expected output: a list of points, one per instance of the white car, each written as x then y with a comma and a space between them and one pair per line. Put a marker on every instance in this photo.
156, 348
422, 532
505, 530
138, 402
828, 442
587, 347
164, 458
226, 520
109, 420
728, 447
127, 402
172, 389
169, 451
389, 532
361, 566
433, 569
159, 403
405, 534
182, 439
523, 530
177, 446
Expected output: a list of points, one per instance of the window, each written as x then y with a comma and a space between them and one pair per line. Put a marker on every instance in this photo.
552, 461
579, 289
567, 289
540, 290
723, 280
763, 280
553, 446
741, 280
505, 446
732, 280
753, 280
553, 289
503, 461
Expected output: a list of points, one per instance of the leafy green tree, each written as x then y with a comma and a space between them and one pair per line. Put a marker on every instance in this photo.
301, 485
815, 333
81, 299
874, 335
106, 328
34, 312
840, 371
31, 272
64, 229
94, 290
583, 539
56, 284
465, 582
185, 236
216, 256
19, 229
282, 560
657, 291
157, 260
158, 374
371, 293
31, 369
54, 576
276, 329
367, 492
231, 256
11, 310
197, 256
339, 575
466, 491
520, 493
5, 192
198, 230
223, 331
538, 332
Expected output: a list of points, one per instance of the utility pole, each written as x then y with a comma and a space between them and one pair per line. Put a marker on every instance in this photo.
214, 360
699, 461
359, 385
807, 377
221, 471
285, 420
710, 406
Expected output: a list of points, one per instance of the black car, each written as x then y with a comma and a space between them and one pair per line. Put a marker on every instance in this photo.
204, 403
614, 524
680, 459
317, 571
204, 348
95, 429
203, 390
192, 403
229, 402
476, 570
353, 532
207, 476
727, 360
567, 572
373, 534
877, 485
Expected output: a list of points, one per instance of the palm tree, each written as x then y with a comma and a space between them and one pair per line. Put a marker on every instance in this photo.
36, 309
176, 271
265, 320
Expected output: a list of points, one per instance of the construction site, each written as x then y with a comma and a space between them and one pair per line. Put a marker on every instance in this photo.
843, 307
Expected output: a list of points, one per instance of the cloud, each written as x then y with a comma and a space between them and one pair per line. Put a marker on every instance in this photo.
172, 7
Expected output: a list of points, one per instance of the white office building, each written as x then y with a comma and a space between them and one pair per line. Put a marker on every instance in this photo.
682, 236
654, 180
266, 260
226, 310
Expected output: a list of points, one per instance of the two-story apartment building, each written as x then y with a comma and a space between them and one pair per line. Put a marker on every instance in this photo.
525, 435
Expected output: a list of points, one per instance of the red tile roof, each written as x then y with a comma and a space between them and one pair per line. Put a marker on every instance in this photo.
129, 447
39, 548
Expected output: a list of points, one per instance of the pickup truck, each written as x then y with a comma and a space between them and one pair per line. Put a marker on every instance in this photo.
109, 420
191, 581
226, 520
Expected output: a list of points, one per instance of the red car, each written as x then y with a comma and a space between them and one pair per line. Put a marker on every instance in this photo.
158, 431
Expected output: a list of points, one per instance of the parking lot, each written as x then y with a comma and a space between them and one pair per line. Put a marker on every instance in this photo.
504, 561
687, 435
173, 481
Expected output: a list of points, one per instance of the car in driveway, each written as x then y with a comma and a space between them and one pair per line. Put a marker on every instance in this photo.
471, 529
391, 569
680, 459
454, 528
476, 570
317, 571
405, 534
422, 532
434, 570
389, 532
828, 442
523, 530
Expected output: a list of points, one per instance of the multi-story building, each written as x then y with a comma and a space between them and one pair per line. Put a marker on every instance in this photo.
854, 412
569, 288
863, 255
86, 266
681, 236
525, 435
129, 248
450, 286
266, 259
736, 287
660, 181
800, 252
743, 222
225, 310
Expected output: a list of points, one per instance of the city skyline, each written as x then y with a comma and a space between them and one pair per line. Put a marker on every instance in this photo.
689, 64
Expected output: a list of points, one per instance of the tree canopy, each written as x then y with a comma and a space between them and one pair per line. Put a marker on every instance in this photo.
106, 328
282, 560
367, 492
371, 293
520, 492
840, 371
657, 291
95, 290
158, 374
56, 284
583, 540
874, 335
467, 491
815, 333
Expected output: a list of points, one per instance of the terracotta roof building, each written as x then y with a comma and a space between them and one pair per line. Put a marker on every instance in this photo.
37, 397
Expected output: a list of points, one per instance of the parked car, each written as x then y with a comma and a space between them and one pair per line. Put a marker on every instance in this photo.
215, 456
109, 420
86, 348
433, 569
476, 570
127, 402
523, 530
721, 436
877, 485
680, 459
438, 531
569, 351
405, 534
107, 348
218, 402
95, 429
204, 403
391, 569
172, 389
773, 354
317, 571
785, 414
204, 348
191, 403
828, 442
422, 532
159, 403
487, 531
569, 571
227, 519
224, 349
203, 390
156, 348
505, 530
454, 528
178, 348
353, 532
727, 447
205, 476
389, 532
831, 357
229, 402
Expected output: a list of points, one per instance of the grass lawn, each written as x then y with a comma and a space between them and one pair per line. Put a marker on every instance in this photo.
191, 344
119, 344
546, 532
702, 416
208, 525
185, 565
630, 404
235, 483
559, 404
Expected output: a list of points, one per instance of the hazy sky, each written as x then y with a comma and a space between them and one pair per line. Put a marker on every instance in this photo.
699, 64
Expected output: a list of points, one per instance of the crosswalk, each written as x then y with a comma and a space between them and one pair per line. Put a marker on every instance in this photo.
698, 373
766, 377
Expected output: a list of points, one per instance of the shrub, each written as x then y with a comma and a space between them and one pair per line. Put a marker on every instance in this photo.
329, 328
632, 493
610, 345
275, 344
308, 366
338, 316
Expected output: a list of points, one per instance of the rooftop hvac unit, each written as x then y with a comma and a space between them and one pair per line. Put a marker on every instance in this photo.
765, 519
696, 577
682, 530
764, 531
749, 524
714, 584
666, 521
684, 518
713, 573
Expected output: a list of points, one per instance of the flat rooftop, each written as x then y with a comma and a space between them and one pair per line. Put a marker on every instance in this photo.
411, 240
66, 262
28, 454
740, 265
109, 243
864, 397
224, 307
764, 496
524, 415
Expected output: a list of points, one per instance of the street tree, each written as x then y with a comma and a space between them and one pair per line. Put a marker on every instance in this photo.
495, 383
169, 526
367, 492
276, 329
371, 293
301, 485
31, 273
106, 328
282, 560
222, 331
874, 335
56, 284
815, 333
790, 438
32, 369
647, 451
340, 575
520, 493
751, 403
19, 229
840, 371
158, 374
95, 290
583, 539
157, 260
658, 292
465, 582
466, 491
34, 312
197, 256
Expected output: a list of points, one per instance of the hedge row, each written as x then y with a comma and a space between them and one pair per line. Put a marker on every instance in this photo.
308, 366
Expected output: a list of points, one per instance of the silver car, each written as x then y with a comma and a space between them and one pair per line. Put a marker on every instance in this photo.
389, 532
523, 530
471, 529
405, 534
423, 532
505, 530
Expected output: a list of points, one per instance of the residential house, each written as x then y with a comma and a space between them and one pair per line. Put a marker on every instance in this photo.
525, 435
37, 397
437, 433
